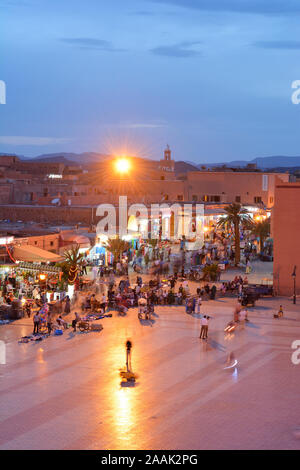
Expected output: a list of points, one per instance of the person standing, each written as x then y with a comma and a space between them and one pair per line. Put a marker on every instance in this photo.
67, 305
28, 309
198, 304
242, 318
213, 292
75, 321
248, 267
36, 323
49, 325
103, 302
84, 264
128, 355
204, 327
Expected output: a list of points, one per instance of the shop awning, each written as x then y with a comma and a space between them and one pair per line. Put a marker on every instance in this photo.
33, 253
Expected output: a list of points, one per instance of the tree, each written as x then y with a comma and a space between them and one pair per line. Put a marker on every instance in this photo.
236, 216
210, 272
73, 259
116, 246
261, 230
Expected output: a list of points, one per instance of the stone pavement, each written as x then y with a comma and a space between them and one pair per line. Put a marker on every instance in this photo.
65, 392
261, 270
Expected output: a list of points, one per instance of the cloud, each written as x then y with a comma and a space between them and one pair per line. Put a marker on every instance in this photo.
143, 125
261, 7
291, 45
91, 43
23, 140
180, 50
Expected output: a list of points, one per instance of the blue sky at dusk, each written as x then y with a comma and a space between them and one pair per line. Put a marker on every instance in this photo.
210, 77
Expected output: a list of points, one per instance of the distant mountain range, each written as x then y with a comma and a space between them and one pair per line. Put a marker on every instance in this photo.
88, 158
260, 162
75, 158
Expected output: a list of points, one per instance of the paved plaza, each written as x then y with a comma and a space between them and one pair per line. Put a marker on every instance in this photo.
65, 392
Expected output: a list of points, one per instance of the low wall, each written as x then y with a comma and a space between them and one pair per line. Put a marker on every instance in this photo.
48, 214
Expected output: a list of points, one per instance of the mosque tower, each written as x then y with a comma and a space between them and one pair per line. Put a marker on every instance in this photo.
167, 165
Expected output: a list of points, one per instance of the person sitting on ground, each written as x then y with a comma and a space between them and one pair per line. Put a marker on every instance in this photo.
280, 312
61, 323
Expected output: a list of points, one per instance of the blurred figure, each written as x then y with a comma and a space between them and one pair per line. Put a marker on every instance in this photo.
230, 359
128, 355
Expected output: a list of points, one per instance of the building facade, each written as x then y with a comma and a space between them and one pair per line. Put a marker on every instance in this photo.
286, 230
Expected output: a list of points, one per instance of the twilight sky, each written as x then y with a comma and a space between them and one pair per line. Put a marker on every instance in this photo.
210, 77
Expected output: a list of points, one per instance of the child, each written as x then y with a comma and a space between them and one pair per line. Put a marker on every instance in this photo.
280, 312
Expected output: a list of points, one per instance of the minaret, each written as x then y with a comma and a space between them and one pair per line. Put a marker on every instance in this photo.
168, 154
167, 165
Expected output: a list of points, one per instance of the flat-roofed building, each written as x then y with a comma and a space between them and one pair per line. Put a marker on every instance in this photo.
230, 187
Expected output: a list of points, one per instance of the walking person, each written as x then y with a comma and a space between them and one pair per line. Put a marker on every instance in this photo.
242, 318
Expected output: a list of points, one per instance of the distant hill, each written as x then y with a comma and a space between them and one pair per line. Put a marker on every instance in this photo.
183, 167
58, 159
91, 158
261, 162
79, 158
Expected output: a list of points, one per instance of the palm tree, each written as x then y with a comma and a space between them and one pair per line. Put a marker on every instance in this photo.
72, 260
116, 246
262, 231
210, 272
236, 215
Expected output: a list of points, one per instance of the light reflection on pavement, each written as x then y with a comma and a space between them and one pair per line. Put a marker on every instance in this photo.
65, 392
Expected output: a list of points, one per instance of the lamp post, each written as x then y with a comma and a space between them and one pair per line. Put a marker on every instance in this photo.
294, 276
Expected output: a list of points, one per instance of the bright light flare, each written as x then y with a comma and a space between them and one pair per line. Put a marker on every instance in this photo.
122, 165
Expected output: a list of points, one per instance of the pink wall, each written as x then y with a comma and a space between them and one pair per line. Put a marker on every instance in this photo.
286, 234
228, 185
